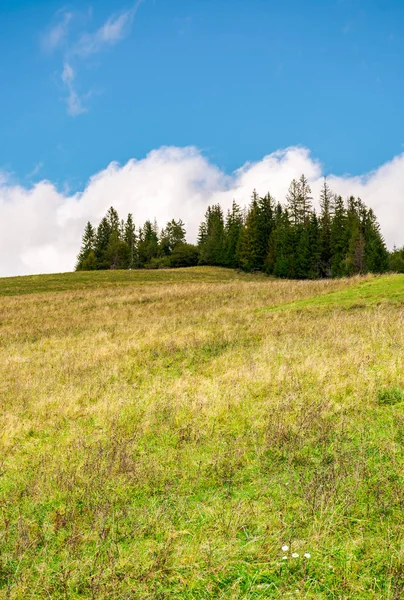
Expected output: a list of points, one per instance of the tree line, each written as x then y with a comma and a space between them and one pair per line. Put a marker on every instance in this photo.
289, 240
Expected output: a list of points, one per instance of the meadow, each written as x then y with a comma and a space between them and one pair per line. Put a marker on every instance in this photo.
201, 433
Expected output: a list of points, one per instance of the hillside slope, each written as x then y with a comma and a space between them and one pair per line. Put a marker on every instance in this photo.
163, 434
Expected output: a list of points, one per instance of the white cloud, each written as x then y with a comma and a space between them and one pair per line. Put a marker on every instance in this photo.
56, 35
116, 28
35, 171
41, 228
73, 100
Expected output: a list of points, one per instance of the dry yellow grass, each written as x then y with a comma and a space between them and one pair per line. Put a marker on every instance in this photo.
165, 439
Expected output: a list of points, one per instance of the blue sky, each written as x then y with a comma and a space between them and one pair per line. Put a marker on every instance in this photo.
236, 79
162, 107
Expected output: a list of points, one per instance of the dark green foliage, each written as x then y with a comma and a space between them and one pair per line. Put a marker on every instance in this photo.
259, 224
233, 230
101, 243
211, 237
396, 260
252, 249
86, 257
148, 246
376, 254
285, 256
308, 250
113, 220
129, 236
118, 253
290, 242
326, 207
172, 235
298, 201
117, 245
314, 235
184, 255
338, 241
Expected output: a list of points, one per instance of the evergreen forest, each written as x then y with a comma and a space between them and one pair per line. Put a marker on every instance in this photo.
289, 240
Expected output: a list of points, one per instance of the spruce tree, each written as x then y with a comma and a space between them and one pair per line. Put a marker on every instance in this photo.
270, 259
338, 239
211, 237
117, 254
129, 236
113, 221
101, 243
252, 249
298, 201
86, 257
396, 260
314, 236
355, 256
376, 254
293, 205
302, 251
285, 249
148, 248
305, 199
326, 204
172, 235
233, 232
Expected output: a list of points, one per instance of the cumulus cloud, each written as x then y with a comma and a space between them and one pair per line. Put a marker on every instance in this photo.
41, 228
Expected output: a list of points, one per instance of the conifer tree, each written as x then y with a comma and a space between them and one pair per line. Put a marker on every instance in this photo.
285, 252
113, 221
148, 244
129, 236
252, 249
117, 253
338, 239
293, 202
101, 243
376, 254
303, 252
326, 204
233, 232
355, 256
396, 260
270, 259
266, 207
314, 235
86, 258
305, 200
172, 235
211, 237
298, 201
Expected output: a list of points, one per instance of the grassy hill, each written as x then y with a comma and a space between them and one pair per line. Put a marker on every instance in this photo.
164, 433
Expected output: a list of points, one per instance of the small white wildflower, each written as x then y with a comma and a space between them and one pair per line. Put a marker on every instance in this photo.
284, 558
295, 555
307, 555
285, 548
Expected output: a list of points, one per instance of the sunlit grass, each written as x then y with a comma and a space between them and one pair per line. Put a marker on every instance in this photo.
164, 435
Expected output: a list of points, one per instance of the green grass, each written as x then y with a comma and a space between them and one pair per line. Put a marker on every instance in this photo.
163, 434
85, 280
382, 289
